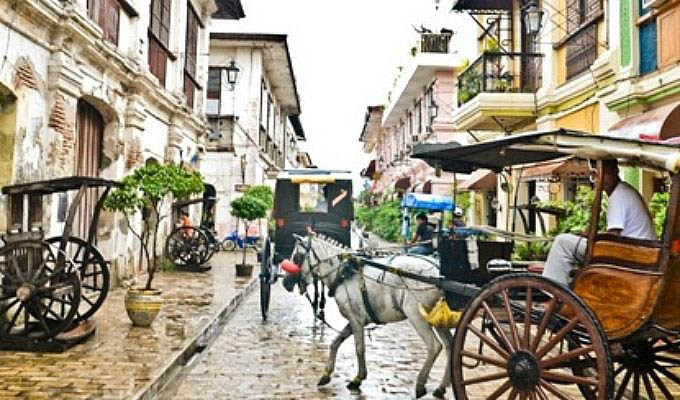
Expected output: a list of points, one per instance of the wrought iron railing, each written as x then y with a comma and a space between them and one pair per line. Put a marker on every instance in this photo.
435, 42
496, 72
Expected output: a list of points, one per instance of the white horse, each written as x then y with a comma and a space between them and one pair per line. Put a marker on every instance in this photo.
387, 298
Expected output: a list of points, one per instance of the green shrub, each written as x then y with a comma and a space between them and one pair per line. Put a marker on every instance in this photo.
384, 219
658, 206
578, 212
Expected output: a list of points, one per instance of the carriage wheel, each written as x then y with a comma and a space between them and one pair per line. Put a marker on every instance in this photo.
523, 322
228, 245
39, 296
265, 279
95, 278
187, 246
647, 367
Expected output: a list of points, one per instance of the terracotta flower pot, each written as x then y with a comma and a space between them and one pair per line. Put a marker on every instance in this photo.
244, 269
143, 306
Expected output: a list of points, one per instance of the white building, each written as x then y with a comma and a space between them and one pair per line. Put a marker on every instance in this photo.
255, 121
97, 88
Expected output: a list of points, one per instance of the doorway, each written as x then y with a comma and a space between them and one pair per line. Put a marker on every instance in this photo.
89, 133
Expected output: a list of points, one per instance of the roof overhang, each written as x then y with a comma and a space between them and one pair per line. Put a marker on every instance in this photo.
561, 168
276, 60
297, 126
413, 81
372, 126
659, 123
482, 5
481, 179
535, 147
369, 171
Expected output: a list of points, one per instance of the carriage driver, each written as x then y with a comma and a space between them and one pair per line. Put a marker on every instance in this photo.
627, 216
423, 237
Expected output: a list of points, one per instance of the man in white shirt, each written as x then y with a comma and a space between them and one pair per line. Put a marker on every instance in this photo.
627, 215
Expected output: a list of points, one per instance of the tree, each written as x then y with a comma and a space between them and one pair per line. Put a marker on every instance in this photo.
262, 192
248, 208
145, 191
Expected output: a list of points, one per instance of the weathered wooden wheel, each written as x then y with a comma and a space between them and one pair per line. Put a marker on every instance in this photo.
647, 368
523, 322
39, 291
187, 247
94, 275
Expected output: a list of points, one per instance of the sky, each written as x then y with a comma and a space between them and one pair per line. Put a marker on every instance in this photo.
345, 57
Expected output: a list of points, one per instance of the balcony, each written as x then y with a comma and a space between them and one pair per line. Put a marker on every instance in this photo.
435, 42
497, 91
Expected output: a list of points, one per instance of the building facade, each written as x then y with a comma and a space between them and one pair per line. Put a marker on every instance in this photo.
255, 122
97, 88
419, 109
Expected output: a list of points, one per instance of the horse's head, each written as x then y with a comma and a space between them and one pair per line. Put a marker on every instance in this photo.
309, 259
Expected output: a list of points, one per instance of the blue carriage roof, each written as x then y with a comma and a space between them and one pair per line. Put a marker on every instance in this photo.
428, 202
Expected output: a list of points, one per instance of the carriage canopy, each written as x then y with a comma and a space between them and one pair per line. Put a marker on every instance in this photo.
428, 202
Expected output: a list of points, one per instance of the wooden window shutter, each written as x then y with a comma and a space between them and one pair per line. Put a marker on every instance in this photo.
573, 14
592, 8
111, 16
165, 23
668, 44
191, 42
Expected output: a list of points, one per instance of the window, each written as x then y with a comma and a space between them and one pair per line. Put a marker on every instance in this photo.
159, 38
214, 91
106, 14
263, 95
581, 43
419, 117
429, 100
648, 62
191, 51
313, 197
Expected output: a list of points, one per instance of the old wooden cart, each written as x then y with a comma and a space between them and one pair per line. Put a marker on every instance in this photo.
190, 246
49, 288
305, 199
613, 332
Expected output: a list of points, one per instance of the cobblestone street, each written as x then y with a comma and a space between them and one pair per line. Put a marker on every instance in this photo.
284, 358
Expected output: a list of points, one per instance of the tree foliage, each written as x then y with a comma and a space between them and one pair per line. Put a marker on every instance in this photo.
658, 206
262, 192
145, 191
248, 208
579, 211
384, 219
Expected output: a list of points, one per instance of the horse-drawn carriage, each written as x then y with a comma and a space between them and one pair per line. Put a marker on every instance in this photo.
613, 332
190, 246
304, 200
50, 287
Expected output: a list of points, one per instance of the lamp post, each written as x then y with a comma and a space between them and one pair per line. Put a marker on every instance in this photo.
532, 16
233, 72
432, 111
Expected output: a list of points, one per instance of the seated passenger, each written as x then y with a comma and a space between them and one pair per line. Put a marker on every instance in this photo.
423, 237
627, 215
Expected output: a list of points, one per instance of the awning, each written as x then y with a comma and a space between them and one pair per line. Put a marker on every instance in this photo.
481, 179
428, 201
402, 184
369, 170
569, 168
533, 147
472, 5
658, 124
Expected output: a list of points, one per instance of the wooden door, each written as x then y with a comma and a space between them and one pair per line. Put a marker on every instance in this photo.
90, 129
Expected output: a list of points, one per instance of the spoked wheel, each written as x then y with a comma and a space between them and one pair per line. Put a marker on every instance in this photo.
94, 275
647, 368
39, 295
265, 279
187, 246
523, 322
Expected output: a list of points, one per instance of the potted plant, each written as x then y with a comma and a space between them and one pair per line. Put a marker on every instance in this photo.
247, 208
145, 192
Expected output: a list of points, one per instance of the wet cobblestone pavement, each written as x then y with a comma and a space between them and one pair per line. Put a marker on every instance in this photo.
120, 360
284, 358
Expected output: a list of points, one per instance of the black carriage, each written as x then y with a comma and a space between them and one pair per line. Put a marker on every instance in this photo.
304, 200
189, 246
50, 287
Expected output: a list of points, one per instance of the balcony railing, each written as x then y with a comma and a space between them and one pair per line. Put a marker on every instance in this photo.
435, 42
495, 72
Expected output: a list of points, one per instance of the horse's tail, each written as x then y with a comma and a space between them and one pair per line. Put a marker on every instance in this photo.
441, 316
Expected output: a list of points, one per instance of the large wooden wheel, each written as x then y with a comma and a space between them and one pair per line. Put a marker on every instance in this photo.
523, 323
39, 291
95, 279
647, 369
187, 246
265, 279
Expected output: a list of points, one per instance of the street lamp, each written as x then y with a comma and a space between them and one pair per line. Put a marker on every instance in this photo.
232, 74
533, 17
433, 110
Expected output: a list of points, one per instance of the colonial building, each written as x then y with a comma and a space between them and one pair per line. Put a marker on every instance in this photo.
419, 109
253, 108
98, 88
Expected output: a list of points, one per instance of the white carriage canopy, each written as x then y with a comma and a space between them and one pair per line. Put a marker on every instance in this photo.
535, 147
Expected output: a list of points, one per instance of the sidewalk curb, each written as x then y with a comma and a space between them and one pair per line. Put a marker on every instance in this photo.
202, 338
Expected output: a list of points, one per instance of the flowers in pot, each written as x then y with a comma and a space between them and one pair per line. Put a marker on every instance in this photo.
145, 192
